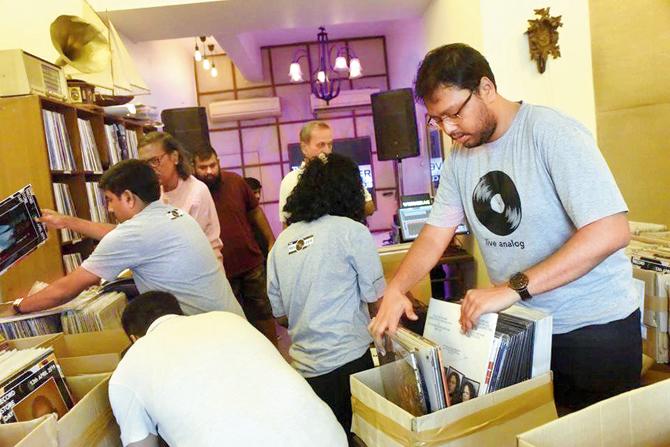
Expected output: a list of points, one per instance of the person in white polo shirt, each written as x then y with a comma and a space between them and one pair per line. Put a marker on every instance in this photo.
210, 380
316, 137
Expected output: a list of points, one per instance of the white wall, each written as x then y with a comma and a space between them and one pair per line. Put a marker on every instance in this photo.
167, 68
567, 83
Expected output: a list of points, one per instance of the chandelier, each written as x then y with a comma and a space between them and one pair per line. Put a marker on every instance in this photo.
325, 80
207, 64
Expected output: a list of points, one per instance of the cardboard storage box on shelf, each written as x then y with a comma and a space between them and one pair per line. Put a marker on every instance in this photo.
90, 423
635, 418
38, 432
492, 419
86, 353
655, 314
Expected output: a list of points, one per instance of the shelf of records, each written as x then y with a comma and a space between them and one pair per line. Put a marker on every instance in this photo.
444, 367
65, 205
120, 141
91, 311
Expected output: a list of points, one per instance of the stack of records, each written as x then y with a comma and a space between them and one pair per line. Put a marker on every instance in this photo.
81, 314
131, 141
412, 373
89, 149
96, 203
71, 262
94, 312
31, 385
113, 144
65, 205
58, 142
31, 325
502, 350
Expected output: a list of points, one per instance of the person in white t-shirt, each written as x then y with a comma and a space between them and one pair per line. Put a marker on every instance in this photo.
210, 380
316, 137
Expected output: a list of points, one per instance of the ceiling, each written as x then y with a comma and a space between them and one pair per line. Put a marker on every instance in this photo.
242, 27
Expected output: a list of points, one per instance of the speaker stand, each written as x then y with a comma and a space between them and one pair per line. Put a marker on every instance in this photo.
401, 189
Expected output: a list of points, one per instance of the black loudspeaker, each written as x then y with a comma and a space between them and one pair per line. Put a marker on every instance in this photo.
394, 117
188, 125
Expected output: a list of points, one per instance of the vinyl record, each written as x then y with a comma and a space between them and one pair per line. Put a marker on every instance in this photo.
496, 203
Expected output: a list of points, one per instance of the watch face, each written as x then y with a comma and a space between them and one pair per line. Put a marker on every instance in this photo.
518, 281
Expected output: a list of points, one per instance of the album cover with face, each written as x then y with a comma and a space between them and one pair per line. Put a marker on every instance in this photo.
20, 233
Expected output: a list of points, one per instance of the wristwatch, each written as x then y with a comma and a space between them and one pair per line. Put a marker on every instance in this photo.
16, 305
519, 283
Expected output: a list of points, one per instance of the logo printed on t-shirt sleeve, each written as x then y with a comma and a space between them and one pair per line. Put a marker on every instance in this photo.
175, 213
300, 244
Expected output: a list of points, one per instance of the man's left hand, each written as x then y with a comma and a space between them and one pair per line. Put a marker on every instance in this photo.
482, 301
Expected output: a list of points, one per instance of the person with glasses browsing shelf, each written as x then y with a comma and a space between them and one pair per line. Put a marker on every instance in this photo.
549, 219
178, 188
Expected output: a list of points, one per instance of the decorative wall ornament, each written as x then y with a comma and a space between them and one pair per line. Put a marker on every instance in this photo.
543, 38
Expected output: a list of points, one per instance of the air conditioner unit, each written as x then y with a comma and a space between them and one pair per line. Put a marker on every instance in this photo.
347, 99
244, 109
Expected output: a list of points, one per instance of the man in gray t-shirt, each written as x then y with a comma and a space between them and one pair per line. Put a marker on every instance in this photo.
164, 247
549, 219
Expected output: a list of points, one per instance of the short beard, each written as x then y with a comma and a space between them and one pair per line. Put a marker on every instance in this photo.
488, 126
212, 183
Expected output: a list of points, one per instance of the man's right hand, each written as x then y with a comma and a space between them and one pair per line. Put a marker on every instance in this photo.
52, 219
394, 304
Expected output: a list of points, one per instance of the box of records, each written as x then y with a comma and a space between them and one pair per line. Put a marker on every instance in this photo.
89, 423
86, 353
31, 385
36, 432
635, 418
450, 388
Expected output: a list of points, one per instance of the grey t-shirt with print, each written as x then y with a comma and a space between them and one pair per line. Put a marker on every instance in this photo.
321, 275
524, 195
166, 250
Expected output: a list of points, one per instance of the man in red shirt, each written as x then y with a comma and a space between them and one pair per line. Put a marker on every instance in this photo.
238, 211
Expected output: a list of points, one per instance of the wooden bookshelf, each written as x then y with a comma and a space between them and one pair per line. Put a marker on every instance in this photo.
24, 159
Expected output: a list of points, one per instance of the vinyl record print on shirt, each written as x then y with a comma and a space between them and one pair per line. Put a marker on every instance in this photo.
496, 203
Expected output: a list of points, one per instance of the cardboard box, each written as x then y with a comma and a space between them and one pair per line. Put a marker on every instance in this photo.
38, 432
90, 423
86, 353
635, 418
492, 419
655, 315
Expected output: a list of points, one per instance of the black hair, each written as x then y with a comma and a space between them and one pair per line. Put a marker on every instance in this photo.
146, 308
135, 176
329, 184
170, 144
454, 65
253, 183
470, 386
204, 153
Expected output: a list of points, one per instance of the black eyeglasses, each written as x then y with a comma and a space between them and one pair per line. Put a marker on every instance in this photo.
438, 122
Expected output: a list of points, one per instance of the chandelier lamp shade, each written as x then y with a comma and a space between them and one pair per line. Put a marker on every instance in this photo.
325, 80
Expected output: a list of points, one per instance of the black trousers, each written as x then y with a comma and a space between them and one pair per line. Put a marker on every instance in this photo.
596, 362
334, 389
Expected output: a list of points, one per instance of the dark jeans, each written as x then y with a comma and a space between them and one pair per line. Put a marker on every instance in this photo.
250, 290
334, 389
596, 362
